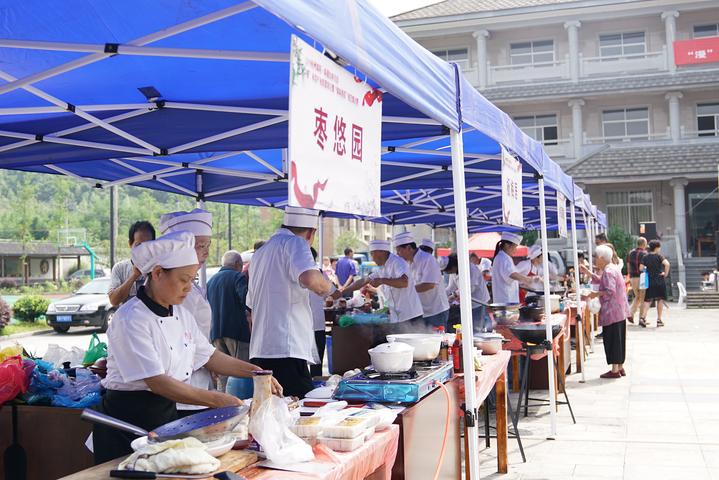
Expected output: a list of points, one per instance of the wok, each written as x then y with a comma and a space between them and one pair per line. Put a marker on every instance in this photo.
531, 313
505, 313
533, 333
205, 426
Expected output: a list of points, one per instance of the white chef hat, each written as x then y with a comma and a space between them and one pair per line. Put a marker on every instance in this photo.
300, 217
443, 262
198, 222
375, 245
485, 265
403, 239
426, 242
534, 251
512, 237
176, 249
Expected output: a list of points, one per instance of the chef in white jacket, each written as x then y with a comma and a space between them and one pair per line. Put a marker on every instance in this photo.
479, 291
154, 346
534, 266
505, 277
198, 222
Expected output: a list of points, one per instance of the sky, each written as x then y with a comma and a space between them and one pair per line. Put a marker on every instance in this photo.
394, 7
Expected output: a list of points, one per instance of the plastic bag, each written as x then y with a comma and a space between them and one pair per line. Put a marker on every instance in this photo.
270, 427
594, 305
95, 351
11, 351
43, 385
14, 378
56, 355
643, 280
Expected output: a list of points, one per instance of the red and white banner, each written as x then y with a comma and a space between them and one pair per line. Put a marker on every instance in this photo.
335, 126
512, 198
696, 51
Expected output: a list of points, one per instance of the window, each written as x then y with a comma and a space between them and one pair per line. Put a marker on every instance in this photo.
627, 209
529, 53
626, 123
13, 267
703, 31
622, 44
542, 128
454, 55
708, 119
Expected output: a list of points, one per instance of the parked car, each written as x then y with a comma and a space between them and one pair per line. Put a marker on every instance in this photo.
84, 273
88, 307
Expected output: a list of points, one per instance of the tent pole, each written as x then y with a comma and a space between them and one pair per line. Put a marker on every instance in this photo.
579, 326
201, 204
460, 201
590, 254
547, 310
229, 226
113, 225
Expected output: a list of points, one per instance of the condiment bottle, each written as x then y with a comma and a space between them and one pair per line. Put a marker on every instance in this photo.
457, 355
444, 346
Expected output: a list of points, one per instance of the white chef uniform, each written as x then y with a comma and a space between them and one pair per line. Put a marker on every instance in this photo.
504, 288
425, 269
479, 292
404, 303
525, 267
198, 222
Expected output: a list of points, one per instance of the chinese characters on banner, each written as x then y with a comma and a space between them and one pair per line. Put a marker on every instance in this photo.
561, 215
335, 123
696, 51
512, 204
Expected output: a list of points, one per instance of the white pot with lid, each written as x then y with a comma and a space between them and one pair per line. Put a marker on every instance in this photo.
391, 357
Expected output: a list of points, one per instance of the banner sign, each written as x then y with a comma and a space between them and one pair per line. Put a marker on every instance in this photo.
335, 126
512, 200
561, 214
696, 51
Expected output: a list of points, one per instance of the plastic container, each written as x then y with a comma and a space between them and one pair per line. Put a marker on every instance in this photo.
351, 427
307, 427
345, 444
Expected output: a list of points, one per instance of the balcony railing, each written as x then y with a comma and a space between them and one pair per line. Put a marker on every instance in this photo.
528, 72
559, 148
598, 66
689, 134
647, 137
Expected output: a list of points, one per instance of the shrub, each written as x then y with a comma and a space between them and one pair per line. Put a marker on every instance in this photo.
30, 307
7, 283
5, 313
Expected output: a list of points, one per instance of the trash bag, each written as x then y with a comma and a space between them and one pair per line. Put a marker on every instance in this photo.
14, 378
11, 351
56, 355
79, 392
270, 427
95, 351
43, 385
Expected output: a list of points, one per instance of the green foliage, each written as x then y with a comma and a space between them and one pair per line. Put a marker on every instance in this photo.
346, 239
30, 307
621, 240
529, 237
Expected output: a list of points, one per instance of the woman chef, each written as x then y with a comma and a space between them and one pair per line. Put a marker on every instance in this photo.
199, 223
154, 346
505, 277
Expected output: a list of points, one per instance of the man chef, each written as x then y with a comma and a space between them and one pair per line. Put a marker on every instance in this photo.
199, 223
428, 281
281, 272
395, 282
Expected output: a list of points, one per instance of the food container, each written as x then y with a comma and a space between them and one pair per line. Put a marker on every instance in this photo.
307, 427
426, 346
488, 343
345, 444
350, 427
553, 302
392, 357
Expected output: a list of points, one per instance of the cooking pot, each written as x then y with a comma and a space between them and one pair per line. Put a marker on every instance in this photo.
538, 298
391, 357
489, 343
426, 346
531, 313
505, 313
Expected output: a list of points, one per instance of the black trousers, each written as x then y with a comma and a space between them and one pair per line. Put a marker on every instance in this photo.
320, 341
142, 408
615, 342
292, 373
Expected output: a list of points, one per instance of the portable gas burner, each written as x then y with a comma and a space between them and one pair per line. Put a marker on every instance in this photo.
404, 387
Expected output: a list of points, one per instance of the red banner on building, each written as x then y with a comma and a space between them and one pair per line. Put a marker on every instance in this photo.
696, 51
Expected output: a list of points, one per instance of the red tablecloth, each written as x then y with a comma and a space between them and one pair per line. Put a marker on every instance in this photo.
378, 451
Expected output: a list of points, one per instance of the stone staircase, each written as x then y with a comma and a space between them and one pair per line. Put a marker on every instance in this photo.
694, 269
702, 300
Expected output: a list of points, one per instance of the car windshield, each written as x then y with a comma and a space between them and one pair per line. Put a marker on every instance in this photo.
96, 287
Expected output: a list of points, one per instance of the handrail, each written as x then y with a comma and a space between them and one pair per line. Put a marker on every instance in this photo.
520, 66
629, 56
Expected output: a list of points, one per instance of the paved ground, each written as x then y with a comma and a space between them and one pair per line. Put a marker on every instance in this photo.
37, 344
659, 422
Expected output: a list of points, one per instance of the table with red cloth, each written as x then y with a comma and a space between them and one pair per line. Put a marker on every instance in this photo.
493, 374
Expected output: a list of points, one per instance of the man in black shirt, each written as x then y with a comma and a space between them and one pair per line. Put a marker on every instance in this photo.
634, 259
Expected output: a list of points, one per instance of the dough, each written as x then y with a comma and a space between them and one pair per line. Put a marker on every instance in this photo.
188, 455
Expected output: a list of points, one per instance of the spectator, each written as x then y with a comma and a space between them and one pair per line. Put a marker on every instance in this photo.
317, 305
474, 259
346, 269
227, 294
634, 261
657, 268
600, 239
125, 278
612, 295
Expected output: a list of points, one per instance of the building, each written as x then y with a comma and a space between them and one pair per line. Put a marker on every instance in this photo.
599, 84
37, 262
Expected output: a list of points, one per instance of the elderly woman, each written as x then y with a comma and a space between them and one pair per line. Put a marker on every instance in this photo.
614, 312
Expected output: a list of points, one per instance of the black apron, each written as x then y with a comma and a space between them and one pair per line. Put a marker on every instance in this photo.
141, 408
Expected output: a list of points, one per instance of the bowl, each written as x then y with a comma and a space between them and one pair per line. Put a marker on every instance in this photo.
392, 357
488, 343
426, 345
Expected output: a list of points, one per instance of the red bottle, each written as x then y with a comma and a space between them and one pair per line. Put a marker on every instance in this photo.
457, 355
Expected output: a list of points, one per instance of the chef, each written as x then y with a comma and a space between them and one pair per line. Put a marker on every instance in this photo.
427, 245
427, 279
281, 273
154, 346
199, 223
478, 288
395, 282
505, 277
533, 266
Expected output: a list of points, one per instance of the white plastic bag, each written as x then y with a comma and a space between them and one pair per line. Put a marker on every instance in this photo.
594, 305
270, 427
57, 355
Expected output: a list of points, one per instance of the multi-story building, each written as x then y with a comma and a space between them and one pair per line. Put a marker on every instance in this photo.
598, 83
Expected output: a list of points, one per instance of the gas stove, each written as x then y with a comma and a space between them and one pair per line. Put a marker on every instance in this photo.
404, 387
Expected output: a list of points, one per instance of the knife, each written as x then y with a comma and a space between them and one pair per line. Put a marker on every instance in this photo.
151, 475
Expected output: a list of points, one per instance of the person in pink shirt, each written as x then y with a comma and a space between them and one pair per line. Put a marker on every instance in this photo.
613, 315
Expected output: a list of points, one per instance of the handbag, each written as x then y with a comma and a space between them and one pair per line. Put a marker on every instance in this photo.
643, 280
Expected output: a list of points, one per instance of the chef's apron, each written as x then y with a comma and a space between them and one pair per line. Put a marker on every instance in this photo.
142, 408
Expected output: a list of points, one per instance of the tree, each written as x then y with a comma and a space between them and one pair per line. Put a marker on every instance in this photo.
346, 239
621, 240
529, 237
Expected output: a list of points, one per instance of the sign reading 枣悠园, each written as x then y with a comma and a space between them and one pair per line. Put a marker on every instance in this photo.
562, 214
335, 126
512, 200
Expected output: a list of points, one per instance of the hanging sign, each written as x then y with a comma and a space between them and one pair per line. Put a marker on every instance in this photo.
335, 123
512, 206
561, 214
696, 51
